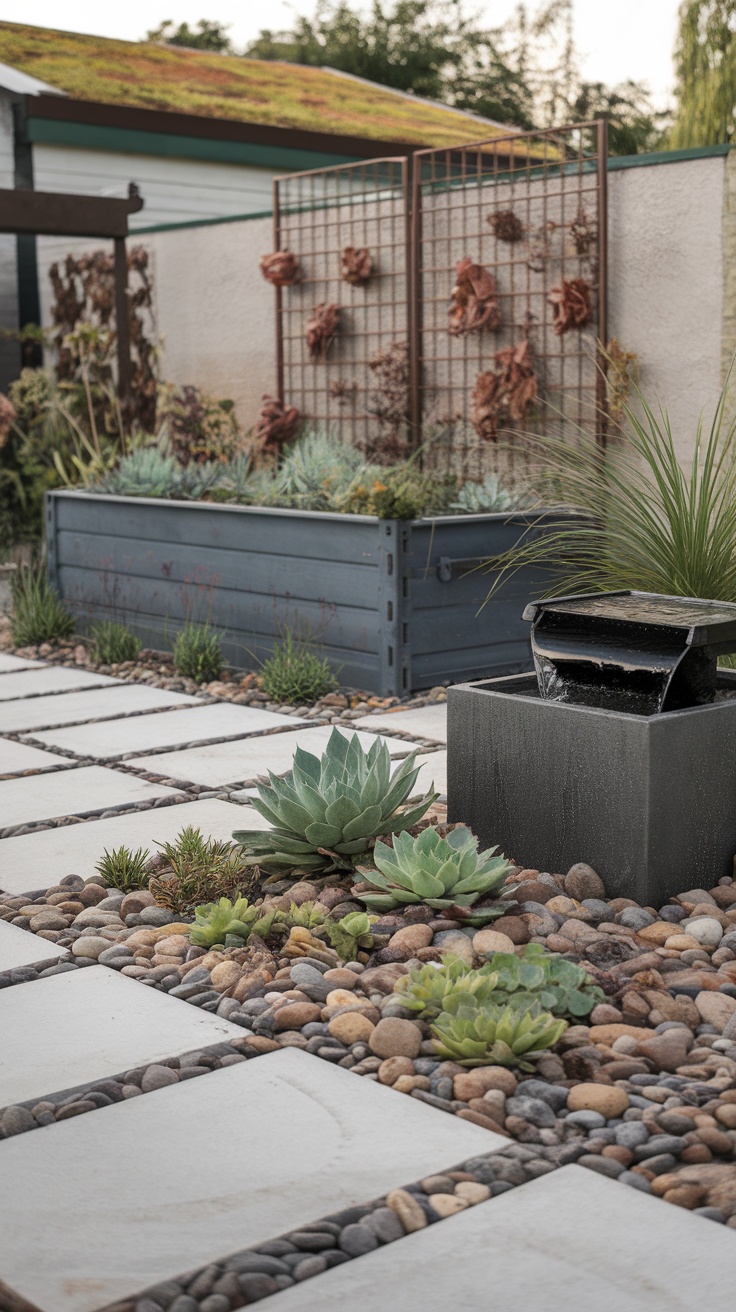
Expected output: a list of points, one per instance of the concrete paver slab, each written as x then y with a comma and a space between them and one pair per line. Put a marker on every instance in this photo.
87, 1024
423, 721
48, 679
197, 1170
11, 663
72, 792
571, 1240
17, 757
230, 762
149, 733
36, 861
79, 707
19, 948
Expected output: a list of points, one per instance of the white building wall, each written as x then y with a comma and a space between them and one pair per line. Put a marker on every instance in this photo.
9, 350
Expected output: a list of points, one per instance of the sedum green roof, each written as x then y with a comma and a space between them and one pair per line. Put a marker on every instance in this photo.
283, 95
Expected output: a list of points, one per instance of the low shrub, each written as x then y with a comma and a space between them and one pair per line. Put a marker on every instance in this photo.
113, 643
39, 614
295, 673
194, 869
198, 653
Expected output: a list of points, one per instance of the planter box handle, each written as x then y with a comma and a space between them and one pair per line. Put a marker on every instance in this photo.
448, 565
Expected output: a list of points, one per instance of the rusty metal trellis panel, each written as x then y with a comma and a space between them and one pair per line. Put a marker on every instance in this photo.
316, 215
554, 183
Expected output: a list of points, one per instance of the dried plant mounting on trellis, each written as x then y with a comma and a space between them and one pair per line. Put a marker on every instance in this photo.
356, 265
473, 300
622, 366
281, 268
322, 326
584, 233
505, 394
277, 424
389, 403
570, 303
343, 390
539, 246
506, 226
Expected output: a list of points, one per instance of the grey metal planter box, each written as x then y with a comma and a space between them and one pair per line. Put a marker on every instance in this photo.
648, 801
395, 606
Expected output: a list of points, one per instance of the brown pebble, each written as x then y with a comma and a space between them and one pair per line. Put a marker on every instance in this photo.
477, 1118
394, 1037
351, 1027
410, 1214
390, 1069
411, 937
296, 1014
473, 1084
447, 1204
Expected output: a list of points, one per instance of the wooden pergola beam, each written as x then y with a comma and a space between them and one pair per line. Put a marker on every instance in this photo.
59, 214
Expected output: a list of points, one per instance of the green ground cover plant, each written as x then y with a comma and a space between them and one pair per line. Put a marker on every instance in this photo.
198, 652
113, 643
39, 614
295, 673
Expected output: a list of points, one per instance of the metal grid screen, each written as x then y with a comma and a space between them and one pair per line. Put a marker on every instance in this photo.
360, 386
530, 211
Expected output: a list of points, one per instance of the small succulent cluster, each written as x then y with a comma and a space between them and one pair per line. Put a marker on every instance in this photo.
432, 989
328, 811
536, 976
229, 924
441, 872
125, 869
482, 1036
194, 869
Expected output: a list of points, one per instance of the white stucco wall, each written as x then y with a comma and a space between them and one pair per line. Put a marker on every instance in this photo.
666, 283
9, 350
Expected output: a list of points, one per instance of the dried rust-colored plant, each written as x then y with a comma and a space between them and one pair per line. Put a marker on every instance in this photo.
389, 402
570, 303
621, 366
584, 233
281, 268
473, 300
506, 393
506, 226
84, 290
356, 265
343, 390
322, 326
539, 246
277, 424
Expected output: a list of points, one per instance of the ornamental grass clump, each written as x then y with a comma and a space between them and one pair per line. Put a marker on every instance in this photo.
295, 673
496, 1036
194, 869
198, 653
441, 872
39, 614
125, 869
328, 811
113, 643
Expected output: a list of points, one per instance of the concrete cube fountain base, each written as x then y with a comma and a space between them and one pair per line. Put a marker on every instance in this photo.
648, 800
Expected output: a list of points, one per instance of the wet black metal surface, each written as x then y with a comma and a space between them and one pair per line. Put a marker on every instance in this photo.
637, 652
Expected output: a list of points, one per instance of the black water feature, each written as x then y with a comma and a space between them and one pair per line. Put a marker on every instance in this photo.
620, 750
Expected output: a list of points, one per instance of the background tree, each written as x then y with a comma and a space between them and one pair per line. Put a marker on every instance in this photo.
208, 35
705, 67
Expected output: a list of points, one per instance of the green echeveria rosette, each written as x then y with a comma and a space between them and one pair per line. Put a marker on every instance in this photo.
496, 1036
327, 811
439, 872
230, 924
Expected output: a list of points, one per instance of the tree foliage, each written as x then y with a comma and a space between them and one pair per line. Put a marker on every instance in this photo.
208, 35
705, 67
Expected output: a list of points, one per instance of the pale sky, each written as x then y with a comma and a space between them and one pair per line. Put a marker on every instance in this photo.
619, 39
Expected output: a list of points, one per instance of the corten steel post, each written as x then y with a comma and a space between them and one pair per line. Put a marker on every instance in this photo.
602, 168
414, 225
279, 331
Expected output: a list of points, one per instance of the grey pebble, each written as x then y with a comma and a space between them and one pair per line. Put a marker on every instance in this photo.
603, 1165
585, 1120
357, 1239
385, 1225
531, 1109
309, 1266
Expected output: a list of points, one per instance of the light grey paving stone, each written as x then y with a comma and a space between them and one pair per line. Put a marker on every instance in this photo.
19, 948
79, 707
144, 733
197, 1170
87, 1024
422, 721
567, 1242
230, 762
36, 861
10, 663
432, 771
72, 792
49, 679
17, 757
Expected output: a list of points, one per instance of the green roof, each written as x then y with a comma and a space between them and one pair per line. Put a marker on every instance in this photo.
276, 94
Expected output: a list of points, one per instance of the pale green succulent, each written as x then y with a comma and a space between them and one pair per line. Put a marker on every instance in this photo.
308, 916
435, 988
440, 872
350, 934
494, 1036
327, 811
230, 923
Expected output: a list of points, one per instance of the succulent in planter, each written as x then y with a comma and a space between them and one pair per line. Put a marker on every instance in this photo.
432, 989
496, 1036
327, 811
442, 872
230, 923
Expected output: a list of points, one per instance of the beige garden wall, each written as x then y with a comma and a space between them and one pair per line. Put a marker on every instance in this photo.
672, 291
